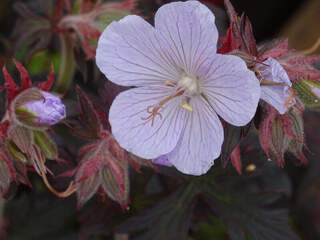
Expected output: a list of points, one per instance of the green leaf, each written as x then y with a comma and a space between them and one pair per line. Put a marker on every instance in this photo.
213, 229
6, 172
170, 219
309, 92
15, 153
87, 188
115, 182
67, 65
108, 17
21, 137
46, 144
249, 205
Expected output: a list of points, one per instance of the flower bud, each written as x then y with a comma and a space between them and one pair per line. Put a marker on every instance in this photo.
308, 92
37, 109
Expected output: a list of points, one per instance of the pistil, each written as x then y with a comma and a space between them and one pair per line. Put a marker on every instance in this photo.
154, 111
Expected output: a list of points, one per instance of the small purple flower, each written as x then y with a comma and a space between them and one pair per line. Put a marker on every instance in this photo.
182, 85
275, 85
45, 112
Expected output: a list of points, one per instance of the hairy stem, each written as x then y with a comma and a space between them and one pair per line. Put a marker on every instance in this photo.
67, 65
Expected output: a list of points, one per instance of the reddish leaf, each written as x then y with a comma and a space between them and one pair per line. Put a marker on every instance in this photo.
86, 24
85, 149
232, 138
297, 65
88, 125
236, 159
89, 33
115, 181
274, 49
3, 129
87, 188
22, 173
230, 10
92, 162
10, 85
265, 128
298, 140
103, 163
7, 172
128, 5
247, 35
228, 43
282, 133
61, 5
24, 75
287, 125
115, 149
239, 35
23, 139
87, 6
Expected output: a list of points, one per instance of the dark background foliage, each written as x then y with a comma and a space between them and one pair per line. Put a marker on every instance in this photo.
264, 203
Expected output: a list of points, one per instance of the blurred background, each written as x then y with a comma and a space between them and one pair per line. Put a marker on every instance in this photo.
36, 214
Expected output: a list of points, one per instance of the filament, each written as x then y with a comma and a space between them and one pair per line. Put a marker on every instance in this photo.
265, 82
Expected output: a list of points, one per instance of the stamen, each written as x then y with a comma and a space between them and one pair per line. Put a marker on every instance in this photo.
170, 83
154, 111
258, 74
186, 106
265, 82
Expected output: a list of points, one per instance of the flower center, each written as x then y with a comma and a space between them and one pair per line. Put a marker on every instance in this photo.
187, 86
190, 84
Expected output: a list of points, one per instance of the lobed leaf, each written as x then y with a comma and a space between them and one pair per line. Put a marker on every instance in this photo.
170, 219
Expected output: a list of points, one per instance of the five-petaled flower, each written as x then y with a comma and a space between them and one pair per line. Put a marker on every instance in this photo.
181, 86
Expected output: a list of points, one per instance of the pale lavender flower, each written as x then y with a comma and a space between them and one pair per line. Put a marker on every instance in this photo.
275, 85
182, 85
47, 111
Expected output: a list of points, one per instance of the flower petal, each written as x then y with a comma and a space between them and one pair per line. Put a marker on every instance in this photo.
232, 90
189, 31
200, 142
277, 96
137, 135
129, 53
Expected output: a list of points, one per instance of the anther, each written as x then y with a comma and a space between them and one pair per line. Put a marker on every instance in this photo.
187, 106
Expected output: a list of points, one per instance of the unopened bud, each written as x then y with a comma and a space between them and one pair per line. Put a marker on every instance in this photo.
36, 108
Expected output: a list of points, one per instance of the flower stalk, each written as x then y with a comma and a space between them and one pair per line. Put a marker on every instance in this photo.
67, 65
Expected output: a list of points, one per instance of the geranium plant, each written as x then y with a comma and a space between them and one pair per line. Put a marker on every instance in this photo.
161, 127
